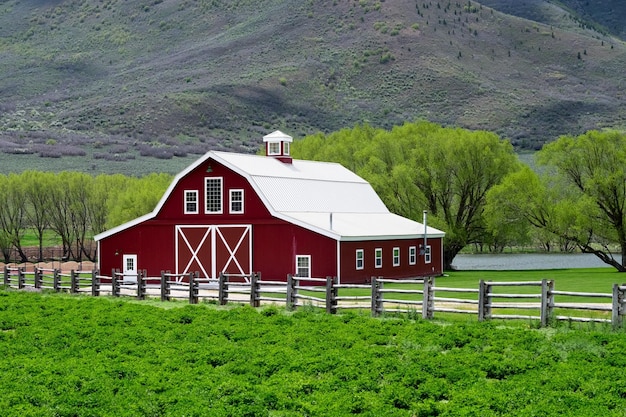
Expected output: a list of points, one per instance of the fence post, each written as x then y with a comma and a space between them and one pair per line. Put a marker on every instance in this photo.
331, 296
374, 294
141, 285
291, 293
95, 283
254, 290
56, 280
617, 310
547, 301
223, 289
38, 277
73, 282
21, 277
428, 301
163, 283
484, 301
115, 286
7, 280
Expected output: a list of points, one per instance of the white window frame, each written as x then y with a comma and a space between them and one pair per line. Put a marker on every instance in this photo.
286, 148
360, 259
231, 200
427, 255
221, 195
187, 194
378, 258
307, 258
276, 150
396, 256
412, 255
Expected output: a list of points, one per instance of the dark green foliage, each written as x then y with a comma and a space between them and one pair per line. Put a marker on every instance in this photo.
102, 357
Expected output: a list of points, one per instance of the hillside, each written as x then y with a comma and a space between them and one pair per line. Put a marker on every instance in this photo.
114, 80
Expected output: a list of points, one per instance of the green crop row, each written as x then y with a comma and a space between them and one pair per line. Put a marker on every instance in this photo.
84, 356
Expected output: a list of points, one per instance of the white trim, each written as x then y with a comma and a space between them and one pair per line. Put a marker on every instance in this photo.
230, 201
338, 262
275, 152
206, 197
356, 260
412, 255
378, 258
310, 268
395, 259
190, 192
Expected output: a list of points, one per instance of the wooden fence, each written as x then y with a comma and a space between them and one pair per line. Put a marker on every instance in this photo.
420, 296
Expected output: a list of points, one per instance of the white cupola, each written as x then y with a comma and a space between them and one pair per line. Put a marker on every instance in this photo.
277, 145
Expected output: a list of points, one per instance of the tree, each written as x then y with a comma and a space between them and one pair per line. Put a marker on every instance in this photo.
580, 197
421, 166
37, 188
13, 213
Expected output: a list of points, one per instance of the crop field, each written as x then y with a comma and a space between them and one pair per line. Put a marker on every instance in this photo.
98, 356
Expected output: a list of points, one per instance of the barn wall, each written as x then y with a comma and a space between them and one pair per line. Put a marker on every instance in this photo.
173, 208
150, 241
277, 244
349, 273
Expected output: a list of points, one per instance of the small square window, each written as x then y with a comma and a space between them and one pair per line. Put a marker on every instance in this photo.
273, 148
191, 202
360, 259
378, 258
303, 266
396, 256
427, 257
412, 255
236, 201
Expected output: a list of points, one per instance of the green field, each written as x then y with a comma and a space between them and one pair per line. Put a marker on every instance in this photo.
82, 356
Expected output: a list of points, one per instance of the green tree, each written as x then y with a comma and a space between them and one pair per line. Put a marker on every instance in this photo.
580, 197
421, 166
139, 196
13, 213
37, 187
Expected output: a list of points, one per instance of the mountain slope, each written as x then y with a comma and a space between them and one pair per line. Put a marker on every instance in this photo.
220, 74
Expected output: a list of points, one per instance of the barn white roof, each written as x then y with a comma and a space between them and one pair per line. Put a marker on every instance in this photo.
320, 196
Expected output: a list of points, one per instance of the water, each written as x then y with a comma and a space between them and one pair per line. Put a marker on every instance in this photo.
522, 261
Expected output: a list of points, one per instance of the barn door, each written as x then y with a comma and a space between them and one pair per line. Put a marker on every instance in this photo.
233, 249
210, 250
194, 250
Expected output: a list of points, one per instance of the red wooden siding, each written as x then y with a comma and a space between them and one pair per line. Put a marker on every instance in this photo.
349, 273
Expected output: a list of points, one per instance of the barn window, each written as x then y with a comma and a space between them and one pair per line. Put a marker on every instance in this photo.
285, 148
303, 266
412, 255
191, 202
427, 257
273, 148
213, 195
378, 258
236, 201
396, 256
360, 259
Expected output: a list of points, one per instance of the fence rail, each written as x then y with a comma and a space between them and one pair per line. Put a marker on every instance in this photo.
420, 296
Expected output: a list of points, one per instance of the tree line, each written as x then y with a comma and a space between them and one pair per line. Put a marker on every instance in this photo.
477, 191
70, 208
471, 182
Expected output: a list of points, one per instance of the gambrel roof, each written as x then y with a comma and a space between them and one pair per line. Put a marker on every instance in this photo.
320, 196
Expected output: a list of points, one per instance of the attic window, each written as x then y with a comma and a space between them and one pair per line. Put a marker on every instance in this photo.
273, 148
213, 197
286, 148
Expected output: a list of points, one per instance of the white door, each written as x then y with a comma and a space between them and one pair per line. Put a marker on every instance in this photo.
130, 268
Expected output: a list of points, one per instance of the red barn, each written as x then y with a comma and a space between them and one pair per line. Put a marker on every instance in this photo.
240, 213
